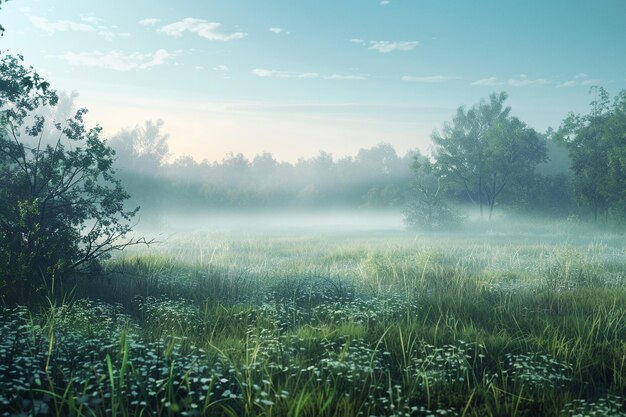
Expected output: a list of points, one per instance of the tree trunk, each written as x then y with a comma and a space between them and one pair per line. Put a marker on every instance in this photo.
492, 198
480, 194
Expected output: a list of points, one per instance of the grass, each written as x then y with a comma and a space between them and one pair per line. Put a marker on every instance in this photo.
482, 324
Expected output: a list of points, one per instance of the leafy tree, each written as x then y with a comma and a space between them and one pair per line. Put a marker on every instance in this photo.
143, 149
597, 148
549, 191
484, 150
61, 208
427, 208
380, 196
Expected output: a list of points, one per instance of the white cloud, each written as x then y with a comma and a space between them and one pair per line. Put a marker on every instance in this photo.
117, 60
149, 21
220, 68
488, 81
91, 24
51, 28
265, 73
430, 78
524, 81
106, 35
346, 77
579, 80
278, 30
384, 2
260, 72
356, 40
202, 28
571, 83
391, 46
91, 19
109, 36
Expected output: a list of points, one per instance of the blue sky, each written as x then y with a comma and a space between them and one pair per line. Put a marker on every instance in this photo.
292, 77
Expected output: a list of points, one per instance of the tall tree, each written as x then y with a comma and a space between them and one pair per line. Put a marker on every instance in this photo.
484, 150
597, 146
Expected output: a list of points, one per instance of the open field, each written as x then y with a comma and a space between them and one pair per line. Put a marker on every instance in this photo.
506, 319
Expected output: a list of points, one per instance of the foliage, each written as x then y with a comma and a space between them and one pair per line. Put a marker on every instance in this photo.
376, 177
547, 194
61, 207
144, 147
484, 150
597, 148
427, 209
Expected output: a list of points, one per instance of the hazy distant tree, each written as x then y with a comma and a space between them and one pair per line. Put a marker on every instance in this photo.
144, 148
549, 190
315, 177
558, 160
426, 208
61, 207
185, 161
273, 179
236, 162
321, 164
597, 147
484, 150
379, 161
233, 171
388, 195
263, 169
264, 162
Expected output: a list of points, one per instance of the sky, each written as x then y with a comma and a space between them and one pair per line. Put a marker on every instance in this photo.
293, 77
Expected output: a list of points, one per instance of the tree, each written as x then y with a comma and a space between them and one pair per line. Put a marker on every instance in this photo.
427, 208
143, 149
61, 208
597, 147
484, 150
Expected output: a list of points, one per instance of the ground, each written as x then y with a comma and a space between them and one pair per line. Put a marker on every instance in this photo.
507, 318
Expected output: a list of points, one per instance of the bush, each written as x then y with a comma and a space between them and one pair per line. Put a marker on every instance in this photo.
61, 208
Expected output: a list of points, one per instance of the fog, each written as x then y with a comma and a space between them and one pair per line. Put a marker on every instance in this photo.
285, 222
376, 190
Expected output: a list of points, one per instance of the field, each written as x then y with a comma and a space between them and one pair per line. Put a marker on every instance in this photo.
506, 319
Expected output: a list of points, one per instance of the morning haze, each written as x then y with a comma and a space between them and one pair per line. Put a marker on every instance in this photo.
313, 208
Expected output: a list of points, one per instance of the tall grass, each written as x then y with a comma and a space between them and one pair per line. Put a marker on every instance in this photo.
331, 326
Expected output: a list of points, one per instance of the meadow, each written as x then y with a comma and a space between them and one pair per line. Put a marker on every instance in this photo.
507, 318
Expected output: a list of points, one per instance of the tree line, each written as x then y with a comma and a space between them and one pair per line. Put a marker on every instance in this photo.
375, 177
484, 156
64, 190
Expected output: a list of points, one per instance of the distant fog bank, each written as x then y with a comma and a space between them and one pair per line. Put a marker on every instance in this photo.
279, 221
